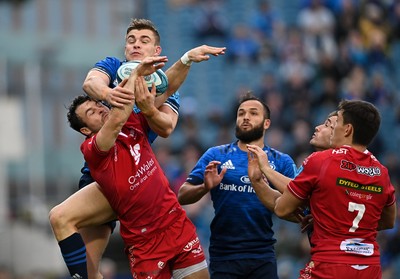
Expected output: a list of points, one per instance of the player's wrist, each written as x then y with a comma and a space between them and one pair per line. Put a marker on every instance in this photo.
186, 60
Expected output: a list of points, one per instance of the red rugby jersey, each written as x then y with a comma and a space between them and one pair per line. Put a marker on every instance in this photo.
348, 190
133, 181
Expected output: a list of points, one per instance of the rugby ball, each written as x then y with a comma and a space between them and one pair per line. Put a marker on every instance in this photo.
159, 78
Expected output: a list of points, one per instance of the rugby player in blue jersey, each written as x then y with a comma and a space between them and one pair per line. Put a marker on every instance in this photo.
242, 240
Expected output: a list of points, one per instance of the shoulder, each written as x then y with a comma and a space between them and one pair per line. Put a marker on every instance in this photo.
223, 149
278, 155
108, 64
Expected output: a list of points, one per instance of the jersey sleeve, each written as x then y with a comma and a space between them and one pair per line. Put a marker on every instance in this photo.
391, 195
173, 102
92, 154
109, 66
303, 184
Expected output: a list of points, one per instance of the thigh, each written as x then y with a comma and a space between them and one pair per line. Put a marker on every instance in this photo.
188, 251
88, 207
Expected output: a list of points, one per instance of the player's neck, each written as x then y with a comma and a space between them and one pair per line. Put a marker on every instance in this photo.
243, 146
358, 147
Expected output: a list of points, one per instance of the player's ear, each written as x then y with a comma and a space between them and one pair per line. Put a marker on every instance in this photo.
348, 130
86, 131
267, 123
157, 51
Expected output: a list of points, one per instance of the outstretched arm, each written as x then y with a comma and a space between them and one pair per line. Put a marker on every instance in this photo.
178, 72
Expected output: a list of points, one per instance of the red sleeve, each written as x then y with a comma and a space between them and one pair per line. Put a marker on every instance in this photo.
392, 196
92, 154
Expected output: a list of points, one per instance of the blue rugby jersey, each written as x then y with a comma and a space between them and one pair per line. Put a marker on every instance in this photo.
109, 66
242, 225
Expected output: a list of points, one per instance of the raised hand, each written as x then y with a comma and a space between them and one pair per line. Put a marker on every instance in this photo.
202, 53
149, 65
211, 176
120, 95
259, 155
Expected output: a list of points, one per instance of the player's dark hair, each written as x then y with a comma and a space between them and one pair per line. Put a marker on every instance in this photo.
75, 122
248, 96
141, 24
364, 117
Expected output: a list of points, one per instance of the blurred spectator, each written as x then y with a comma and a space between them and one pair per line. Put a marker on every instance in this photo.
373, 23
210, 20
329, 96
356, 48
344, 62
346, 18
394, 20
268, 84
318, 26
263, 20
328, 68
354, 86
378, 92
242, 45
293, 62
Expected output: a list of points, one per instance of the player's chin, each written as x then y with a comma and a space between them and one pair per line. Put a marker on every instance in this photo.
135, 57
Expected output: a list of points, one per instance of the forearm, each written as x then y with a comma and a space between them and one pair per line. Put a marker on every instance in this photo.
176, 74
160, 122
96, 87
189, 193
277, 179
265, 193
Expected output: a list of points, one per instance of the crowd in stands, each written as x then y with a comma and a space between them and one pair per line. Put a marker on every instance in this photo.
332, 50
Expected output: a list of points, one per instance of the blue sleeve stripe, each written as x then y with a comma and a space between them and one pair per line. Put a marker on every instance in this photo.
172, 106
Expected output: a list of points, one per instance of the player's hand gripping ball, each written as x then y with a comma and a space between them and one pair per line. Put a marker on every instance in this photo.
159, 78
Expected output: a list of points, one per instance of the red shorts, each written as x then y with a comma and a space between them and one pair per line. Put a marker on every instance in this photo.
321, 270
174, 248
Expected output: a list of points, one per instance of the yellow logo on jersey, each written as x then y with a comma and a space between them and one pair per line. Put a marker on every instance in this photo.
356, 186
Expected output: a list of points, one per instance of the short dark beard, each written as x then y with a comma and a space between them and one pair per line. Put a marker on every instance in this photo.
249, 136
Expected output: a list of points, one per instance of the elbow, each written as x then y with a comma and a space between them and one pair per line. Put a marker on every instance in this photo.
165, 133
386, 226
181, 199
86, 85
182, 196
281, 212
